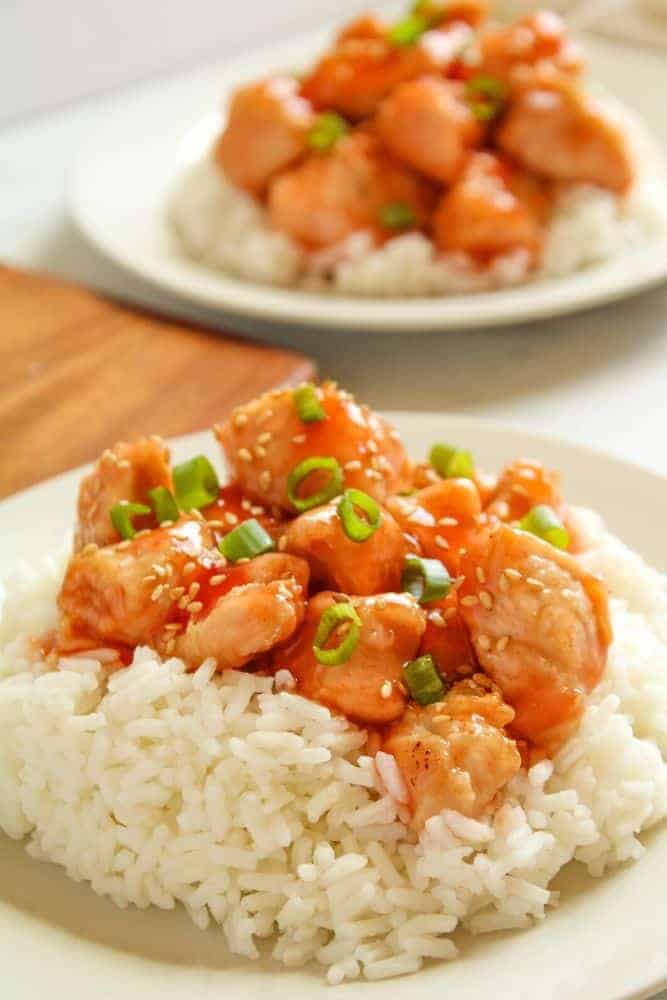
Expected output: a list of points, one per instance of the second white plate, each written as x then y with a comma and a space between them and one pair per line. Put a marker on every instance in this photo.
122, 179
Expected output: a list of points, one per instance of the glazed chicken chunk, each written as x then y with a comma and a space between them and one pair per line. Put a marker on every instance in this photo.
266, 132
125, 472
536, 40
540, 627
266, 440
455, 754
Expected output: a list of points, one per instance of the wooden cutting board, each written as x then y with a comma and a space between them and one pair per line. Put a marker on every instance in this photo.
79, 372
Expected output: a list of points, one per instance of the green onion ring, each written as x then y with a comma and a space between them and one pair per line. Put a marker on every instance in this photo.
408, 31
246, 541
121, 515
301, 471
359, 529
544, 522
451, 462
327, 130
329, 622
307, 404
424, 681
426, 579
163, 504
195, 483
397, 215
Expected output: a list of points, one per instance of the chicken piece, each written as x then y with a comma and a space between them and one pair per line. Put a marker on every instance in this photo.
363, 68
265, 439
447, 639
492, 209
427, 124
441, 12
540, 627
441, 518
125, 472
373, 566
455, 754
332, 195
538, 40
368, 687
169, 589
558, 131
522, 485
266, 132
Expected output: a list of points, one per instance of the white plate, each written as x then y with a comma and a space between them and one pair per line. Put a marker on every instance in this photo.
606, 941
123, 176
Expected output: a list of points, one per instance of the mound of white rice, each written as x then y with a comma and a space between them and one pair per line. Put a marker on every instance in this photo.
225, 229
259, 810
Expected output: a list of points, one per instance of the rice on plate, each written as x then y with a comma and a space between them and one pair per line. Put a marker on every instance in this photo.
261, 810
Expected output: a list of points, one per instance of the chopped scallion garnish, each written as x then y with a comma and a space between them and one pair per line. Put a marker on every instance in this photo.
544, 522
486, 97
424, 681
397, 215
121, 515
452, 463
246, 541
331, 489
332, 618
408, 31
357, 528
195, 483
426, 579
163, 504
307, 404
326, 131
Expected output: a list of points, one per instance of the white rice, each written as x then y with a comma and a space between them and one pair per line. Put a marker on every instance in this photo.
259, 811
225, 229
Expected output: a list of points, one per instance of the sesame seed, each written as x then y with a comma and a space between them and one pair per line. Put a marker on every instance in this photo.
246, 559
167, 524
372, 446
190, 567
437, 619
245, 504
215, 524
527, 473
486, 599
448, 522
282, 543
484, 642
373, 474
381, 604
463, 552
260, 451
502, 643
217, 579
157, 592
240, 419
176, 593
183, 603
299, 439
231, 518
197, 514
502, 509
257, 511
480, 574
173, 627
193, 607
124, 545
158, 569
150, 578
520, 491
441, 542
385, 690
512, 574
244, 454
535, 584
352, 465
123, 463
194, 589
264, 437
470, 601
265, 479
457, 581
144, 531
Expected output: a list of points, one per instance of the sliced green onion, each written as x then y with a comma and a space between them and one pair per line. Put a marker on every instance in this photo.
300, 472
452, 463
163, 504
544, 522
397, 215
195, 483
326, 131
246, 541
329, 622
121, 517
359, 529
307, 404
486, 97
426, 579
424, 681
408, 31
